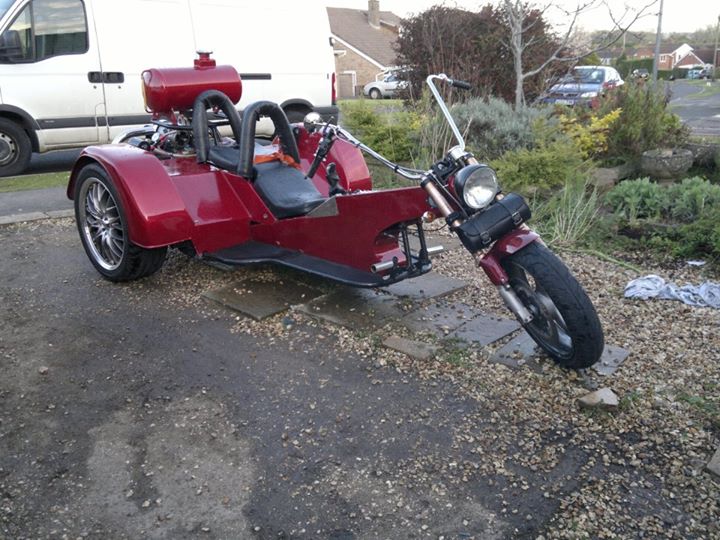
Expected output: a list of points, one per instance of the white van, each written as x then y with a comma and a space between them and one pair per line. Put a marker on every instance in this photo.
70, 69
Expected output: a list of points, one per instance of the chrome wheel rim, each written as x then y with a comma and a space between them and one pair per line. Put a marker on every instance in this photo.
101, 224
8, 149
548, 324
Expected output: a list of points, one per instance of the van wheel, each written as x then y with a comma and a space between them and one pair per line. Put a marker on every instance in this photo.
296, 115
15, 148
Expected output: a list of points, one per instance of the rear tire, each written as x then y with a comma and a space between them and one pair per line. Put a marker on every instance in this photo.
103, 227
565, 323
375, 93
15, 148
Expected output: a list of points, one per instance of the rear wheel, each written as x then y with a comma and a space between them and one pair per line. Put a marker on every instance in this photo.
15, 148
564, 323
375, 93
102, 224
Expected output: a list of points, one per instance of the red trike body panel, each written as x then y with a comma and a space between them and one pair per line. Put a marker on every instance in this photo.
170, 201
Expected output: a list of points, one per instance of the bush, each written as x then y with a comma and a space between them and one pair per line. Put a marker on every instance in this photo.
699, 238
569, 215
390, 134
591, 133
644, 123
637, 199
493, 127
691, 199
539, 170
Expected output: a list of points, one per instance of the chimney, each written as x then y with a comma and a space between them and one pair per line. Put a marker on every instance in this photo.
374, 13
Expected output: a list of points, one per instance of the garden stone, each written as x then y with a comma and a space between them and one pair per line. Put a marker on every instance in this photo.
354, 308
427, 286
604, 398
484, 330
438, 319
666, 164
714, 465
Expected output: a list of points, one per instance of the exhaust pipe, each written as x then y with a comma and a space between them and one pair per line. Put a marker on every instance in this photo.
382, 267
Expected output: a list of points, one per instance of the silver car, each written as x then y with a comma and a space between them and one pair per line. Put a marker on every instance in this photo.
386, 85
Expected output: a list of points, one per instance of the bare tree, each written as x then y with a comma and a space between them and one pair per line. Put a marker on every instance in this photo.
521, 18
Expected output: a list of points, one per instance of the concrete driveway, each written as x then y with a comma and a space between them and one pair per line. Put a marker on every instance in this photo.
127, 412
698, 105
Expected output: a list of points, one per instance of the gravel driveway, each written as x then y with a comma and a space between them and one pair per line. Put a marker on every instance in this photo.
142, 411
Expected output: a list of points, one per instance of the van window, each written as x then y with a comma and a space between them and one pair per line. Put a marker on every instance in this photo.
4, 6
45, 28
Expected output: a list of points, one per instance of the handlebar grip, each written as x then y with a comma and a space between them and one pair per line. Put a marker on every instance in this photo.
461, 84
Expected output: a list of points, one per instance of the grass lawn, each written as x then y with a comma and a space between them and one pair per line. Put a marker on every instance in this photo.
34, 181
708, 88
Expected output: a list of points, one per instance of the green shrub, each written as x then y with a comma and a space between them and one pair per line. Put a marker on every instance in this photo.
569, 215
391, 134
645, 123
700, 238
539, 170
691, 199
637, 199
493, 127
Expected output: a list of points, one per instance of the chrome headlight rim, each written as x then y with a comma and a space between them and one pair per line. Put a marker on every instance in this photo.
476, 186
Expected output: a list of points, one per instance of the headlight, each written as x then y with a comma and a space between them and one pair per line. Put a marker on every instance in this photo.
588, 94
476, 185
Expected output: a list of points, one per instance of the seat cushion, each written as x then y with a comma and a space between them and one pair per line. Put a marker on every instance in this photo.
227, 156
286, 190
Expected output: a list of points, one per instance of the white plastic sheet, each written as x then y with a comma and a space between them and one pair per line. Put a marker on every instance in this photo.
705, 295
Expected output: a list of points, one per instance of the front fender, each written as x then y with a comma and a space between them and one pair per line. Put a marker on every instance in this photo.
156, 214
509, 244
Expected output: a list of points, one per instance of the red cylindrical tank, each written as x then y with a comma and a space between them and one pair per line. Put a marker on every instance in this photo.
171, 89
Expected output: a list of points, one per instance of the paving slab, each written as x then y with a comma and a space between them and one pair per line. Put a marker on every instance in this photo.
260, 299
484, 329
21, 218
438, 319
519, 352
522, 351
354, 308
611, 359
412, 348
714, 465
428, 286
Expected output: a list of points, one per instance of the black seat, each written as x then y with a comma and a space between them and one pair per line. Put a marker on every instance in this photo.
286, 190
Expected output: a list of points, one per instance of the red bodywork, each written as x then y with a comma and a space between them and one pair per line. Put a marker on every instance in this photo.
177, 200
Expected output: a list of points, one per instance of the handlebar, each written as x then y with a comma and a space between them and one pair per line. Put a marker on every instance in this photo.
461, 84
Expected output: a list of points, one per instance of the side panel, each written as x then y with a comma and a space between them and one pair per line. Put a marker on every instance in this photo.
354, 235
136, 35
56, 91
172, 201
282, 50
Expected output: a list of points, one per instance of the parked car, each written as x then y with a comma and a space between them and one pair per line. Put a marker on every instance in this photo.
640, 73
584, 85
385, 85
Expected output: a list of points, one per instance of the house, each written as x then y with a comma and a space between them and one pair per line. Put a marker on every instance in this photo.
364, 44
671, 56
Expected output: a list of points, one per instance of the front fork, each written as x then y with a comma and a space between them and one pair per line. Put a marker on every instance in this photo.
511, 243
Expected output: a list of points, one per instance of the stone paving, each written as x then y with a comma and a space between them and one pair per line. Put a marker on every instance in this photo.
416, 305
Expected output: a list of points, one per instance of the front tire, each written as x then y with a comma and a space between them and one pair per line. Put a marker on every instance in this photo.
375, 93
103, 227
15, 148
565, 323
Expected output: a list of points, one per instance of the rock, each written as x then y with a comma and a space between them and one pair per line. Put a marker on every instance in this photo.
714, 465
604, 398
43, 370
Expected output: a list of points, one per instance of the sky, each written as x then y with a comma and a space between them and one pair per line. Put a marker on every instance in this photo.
678, 15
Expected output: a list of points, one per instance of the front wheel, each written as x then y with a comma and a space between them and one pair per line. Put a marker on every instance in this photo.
102, 224
375, 93
564, 323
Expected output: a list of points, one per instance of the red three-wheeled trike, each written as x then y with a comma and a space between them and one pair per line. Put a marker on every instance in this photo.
305, 200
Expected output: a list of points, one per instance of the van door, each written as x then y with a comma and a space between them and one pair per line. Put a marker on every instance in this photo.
135, 35
47, 66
